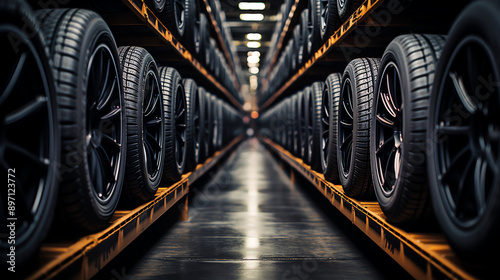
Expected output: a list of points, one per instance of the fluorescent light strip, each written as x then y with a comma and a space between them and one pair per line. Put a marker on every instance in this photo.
252, 17
253, 45
255, 6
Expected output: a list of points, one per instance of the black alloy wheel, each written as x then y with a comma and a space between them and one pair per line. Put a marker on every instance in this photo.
29, 136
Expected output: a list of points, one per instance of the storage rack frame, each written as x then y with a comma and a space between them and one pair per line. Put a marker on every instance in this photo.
423, 255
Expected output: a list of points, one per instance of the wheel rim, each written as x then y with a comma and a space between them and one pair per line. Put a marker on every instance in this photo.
325, 13
180, 125
467, 143
104, 122
389, 129
179, 13
341, 3
325, 124
25, 107
152, 126
346, 119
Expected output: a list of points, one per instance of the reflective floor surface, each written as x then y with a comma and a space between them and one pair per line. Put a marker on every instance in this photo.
250, 221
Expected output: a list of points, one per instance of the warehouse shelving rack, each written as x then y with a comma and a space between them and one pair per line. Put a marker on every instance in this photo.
365, 33
84, 257
424, 255
162, 40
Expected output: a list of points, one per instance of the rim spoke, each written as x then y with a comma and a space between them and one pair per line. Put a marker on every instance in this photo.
384, 148
96, 172
453, 130
153, 122
153, 142
455, 163
27, 110
113, 143
347, 110
14, 78
480, 183
384, 121
106, 165
106, 95
346, 143
345, 123
460, 89
150, 162
180, 114
112, 114
26, 154
388, 104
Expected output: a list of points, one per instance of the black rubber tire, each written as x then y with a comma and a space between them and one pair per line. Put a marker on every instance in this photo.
174, 17
299, 44
330, 20
300, 123
74, 37
220, 124
203, 33
314, 25
315, 127
360, 76
304, 20
156, 6
138, 70
330, 113
287, 109
193, 125
203, 124
347, 7
295, 125
30, 133
174, 102
209, 125
471, 230
192, 26
216, 124
304, 111
414, 59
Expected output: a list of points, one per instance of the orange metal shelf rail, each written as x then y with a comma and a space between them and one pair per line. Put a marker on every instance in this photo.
283, 33
423, 255
147, 16
85, 257
218, 31
358, 16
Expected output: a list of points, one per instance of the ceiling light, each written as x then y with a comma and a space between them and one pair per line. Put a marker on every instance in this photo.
254, 70
252, 17
253, 59
254, 53
254, 36
253, 44
251, 64
252, 6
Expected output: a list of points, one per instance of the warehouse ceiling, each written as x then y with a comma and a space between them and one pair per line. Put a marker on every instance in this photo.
240, 28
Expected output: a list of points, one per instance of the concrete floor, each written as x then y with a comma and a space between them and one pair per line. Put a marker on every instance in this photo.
249, 221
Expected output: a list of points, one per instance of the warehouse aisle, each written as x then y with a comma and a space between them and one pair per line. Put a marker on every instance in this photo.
251, 222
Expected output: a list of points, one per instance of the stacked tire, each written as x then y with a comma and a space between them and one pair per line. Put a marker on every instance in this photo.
84, 121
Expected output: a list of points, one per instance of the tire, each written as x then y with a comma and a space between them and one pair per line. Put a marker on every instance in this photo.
92, 117
329, 120
191, 36
193, 124
315, 130
347, 7
353, 139
216, 124
330, 19
30, 133
397, 141
145, 124
208, 133
295, 125
300, 127
202, 124
304, 20
299, 44
201, 41
463, 135
304, 111
156, 6
175, 124
173, 16
314, 25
